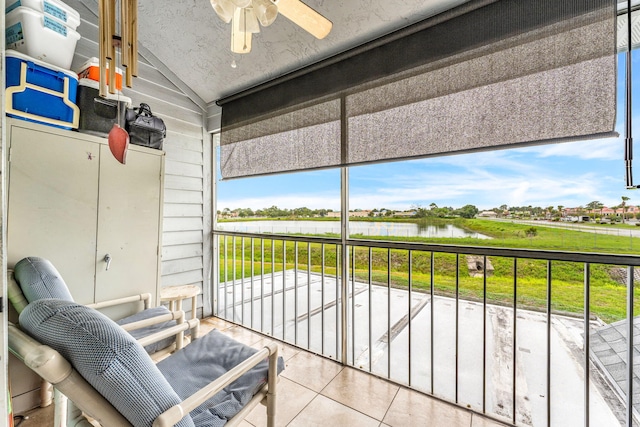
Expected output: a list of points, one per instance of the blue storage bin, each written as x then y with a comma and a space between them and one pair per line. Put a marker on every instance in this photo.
39, 92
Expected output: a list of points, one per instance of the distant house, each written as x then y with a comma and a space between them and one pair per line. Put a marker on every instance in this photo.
487, 214
405, 214
336, 214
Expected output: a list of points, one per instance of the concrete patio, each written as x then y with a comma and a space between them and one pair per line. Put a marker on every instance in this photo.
390, 335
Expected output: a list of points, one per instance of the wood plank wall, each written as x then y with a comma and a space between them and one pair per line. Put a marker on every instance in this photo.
186, 239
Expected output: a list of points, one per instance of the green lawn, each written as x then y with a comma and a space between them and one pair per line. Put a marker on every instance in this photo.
607, 296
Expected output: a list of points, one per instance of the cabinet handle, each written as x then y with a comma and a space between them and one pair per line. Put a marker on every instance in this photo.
107, 259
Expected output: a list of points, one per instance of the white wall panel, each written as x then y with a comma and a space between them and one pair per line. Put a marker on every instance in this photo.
187, 207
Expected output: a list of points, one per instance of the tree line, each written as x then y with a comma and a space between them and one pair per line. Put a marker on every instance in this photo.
467, 211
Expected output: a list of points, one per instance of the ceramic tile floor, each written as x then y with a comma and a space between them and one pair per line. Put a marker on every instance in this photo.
314, 391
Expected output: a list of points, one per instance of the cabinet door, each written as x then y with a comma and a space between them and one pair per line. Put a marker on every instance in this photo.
53, 204
129, 215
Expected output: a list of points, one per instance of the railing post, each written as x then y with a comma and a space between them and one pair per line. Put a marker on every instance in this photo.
344, 261
630, 348
344, 222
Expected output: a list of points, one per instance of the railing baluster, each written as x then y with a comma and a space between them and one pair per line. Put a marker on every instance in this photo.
273, 285
548, 396
322, 298
284, 289
233, 279
370, 308
630, 348
242, 280
226, 278
262, 285
353, 304
295, 294
409, 306
388, 313
515, 338
308, 295
339, 254
433, 307
484, 335
457, 317
586, 345
253, 271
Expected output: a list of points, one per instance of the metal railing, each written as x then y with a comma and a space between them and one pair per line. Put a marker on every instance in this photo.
535, 341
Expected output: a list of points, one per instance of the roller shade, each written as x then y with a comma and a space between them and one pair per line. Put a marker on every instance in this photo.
486, 75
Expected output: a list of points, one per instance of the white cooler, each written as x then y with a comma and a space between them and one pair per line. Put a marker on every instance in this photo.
40, 36
52, 8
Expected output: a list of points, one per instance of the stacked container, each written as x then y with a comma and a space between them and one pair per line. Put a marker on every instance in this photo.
99, 114
41, 39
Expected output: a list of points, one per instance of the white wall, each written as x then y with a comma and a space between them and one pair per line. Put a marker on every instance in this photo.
186, 253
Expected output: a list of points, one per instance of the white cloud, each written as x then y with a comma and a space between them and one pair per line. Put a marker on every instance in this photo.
569, 174
284, 201
486, 189
602, 149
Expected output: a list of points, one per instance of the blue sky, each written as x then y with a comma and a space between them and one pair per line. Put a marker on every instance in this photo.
569, 174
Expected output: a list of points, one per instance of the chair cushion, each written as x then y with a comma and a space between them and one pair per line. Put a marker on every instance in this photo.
205, 360
105, 355
39, 279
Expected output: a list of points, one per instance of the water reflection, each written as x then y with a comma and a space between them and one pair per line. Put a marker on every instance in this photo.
396, 229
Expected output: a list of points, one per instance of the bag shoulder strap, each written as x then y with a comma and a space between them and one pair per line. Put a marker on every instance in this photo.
144, 109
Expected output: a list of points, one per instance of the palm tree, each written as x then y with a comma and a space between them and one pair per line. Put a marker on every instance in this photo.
624, 206
549, 212
593, 206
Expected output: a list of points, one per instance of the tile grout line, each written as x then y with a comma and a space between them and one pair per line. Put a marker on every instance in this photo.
313, 391
390, 404
302, 410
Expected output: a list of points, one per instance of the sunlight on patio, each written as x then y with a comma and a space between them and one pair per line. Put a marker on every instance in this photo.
315, 391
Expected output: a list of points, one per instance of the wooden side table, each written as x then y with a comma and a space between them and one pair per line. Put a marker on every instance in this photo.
175, 294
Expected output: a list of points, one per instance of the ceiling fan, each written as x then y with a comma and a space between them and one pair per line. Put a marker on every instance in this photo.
246, 17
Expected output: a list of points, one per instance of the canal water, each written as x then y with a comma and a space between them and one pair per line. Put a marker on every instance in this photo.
365, 228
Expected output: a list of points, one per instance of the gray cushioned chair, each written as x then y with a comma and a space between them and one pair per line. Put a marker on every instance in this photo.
38, 278
210, 382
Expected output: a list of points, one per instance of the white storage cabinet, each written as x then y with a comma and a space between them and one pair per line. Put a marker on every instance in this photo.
71, 202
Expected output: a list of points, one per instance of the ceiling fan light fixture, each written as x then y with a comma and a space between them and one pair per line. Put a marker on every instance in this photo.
241, 3
240, 40
245, 21
266, 11
224, 9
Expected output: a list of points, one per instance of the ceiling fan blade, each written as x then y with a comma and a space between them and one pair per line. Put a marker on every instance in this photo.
307, 18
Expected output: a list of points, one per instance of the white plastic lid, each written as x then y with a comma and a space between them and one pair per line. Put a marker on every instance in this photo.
94, 62
118, 96
53, 8
10, 53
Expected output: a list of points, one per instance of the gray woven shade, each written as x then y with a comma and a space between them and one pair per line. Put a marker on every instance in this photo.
486, 75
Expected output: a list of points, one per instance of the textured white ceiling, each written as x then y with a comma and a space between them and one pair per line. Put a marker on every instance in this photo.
190, 39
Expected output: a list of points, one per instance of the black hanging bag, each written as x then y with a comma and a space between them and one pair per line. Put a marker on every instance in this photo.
144, 128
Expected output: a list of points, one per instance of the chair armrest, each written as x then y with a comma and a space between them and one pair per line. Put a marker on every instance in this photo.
178, 316
177, 330
177, 412
145, 298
